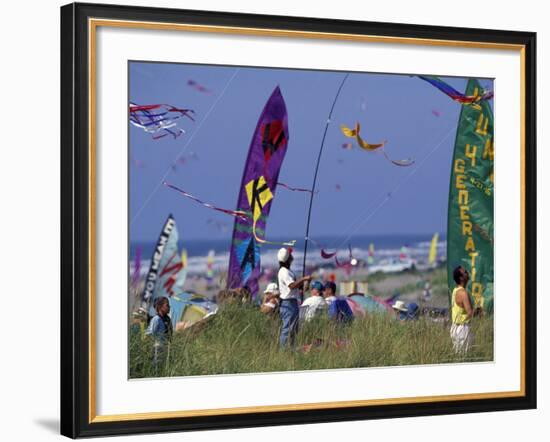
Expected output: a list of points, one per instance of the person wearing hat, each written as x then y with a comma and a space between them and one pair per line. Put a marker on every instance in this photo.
270, 303
400, 309
289, 289
315, 304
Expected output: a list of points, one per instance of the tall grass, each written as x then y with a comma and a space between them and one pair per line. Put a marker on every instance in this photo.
240, 339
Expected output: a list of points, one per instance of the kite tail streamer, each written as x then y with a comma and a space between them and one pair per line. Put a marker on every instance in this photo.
275, 243
169, 168
380, 147
324, 253
402, 163
317, 170
327, 255
367, 146
236, 213
354, 133
294, 189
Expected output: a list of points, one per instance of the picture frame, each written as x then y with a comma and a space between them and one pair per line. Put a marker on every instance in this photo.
80, 241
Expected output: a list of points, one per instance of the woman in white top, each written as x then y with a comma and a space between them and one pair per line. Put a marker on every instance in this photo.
289, 289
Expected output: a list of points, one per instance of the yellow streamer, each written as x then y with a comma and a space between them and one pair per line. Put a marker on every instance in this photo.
354, 133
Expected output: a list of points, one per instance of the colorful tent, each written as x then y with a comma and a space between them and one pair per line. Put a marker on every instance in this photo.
356, 308
371, 304
187, 309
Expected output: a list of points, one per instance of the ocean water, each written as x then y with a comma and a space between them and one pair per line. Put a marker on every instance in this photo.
386, 247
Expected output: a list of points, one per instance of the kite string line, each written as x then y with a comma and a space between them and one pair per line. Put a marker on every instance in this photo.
159, 184
362, 221
317, 170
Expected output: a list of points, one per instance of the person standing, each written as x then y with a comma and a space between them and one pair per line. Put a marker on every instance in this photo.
289, 294
461, 312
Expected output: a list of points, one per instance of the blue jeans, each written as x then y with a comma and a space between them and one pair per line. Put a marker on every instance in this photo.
289, 312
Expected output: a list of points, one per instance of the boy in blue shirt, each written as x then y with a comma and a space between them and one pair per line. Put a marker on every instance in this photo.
160, 328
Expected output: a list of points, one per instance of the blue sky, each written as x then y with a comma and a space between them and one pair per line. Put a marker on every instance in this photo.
397, 108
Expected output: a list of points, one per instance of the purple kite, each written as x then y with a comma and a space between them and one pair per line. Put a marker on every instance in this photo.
258, 186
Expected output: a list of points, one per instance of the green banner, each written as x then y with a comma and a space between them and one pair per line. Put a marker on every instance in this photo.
471, 196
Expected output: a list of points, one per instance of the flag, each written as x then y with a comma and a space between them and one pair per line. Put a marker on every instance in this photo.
470, 219
257, 191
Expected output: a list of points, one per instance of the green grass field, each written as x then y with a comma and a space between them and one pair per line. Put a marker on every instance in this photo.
240, 339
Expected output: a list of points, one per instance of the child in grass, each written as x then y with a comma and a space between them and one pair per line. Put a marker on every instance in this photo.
160, 328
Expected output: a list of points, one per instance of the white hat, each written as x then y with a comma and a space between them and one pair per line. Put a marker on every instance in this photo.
283, 255
272, 288
400, 305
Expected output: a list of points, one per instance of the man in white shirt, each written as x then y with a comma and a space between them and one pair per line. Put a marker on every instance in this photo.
289, 289
315, 304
